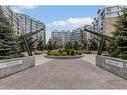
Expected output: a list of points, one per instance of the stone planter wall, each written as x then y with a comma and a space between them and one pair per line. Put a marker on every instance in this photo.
12, 66
114, 65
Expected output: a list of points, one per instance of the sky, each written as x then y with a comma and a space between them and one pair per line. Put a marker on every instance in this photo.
60, 17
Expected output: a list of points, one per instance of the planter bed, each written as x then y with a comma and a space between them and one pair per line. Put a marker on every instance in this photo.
63, 57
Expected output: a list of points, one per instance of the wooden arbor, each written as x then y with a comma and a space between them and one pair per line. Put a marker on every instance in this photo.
103, 38
24, 39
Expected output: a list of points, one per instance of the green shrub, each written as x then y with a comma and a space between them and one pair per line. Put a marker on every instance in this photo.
123, 56
10, 57
22, 55
64, 53
48, 53
76, 52
67, 50
60, 51
56, 53
79, 52
72, 52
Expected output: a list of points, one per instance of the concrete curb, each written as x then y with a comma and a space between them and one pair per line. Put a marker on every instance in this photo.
63, 57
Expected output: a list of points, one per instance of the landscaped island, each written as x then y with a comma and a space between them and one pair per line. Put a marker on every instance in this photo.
65, 53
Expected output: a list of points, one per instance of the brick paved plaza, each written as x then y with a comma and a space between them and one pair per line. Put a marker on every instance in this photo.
63, 74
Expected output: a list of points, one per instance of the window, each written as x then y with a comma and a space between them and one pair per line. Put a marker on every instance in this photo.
101, 28
17, 28
112, 9
115, 9
111, 15
17, 32
108, 10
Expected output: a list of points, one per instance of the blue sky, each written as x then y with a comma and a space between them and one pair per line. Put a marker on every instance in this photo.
60, 17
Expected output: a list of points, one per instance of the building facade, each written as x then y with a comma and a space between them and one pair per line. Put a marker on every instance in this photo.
56, 37
13, 19
105, 20
87, 35
23, 24
63, 37
77, 35
31, 24
60, 37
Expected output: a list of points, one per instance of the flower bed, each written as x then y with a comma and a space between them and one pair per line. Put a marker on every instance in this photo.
65, 52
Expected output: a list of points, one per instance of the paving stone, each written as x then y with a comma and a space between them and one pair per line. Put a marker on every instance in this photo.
64, 74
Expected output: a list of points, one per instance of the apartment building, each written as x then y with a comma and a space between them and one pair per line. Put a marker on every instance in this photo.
80, 35
67, 36
63, 36
87, 35
105, 20
60, 37
23, 24
14, 19
56, 37
31, 24
77, 35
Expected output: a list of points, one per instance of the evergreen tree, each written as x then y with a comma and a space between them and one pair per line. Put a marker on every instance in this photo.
93, 44
49, 45
118, 47
84, 45
68, 45
40, 45
55, 45
8, 44
75, 45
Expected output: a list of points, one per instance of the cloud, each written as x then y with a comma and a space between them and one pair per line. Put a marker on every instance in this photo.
68, 24
71, 23
79, 21
20, 9
27, 7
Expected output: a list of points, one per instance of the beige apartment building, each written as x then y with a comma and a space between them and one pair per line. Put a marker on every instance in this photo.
105, 20
109, 25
